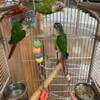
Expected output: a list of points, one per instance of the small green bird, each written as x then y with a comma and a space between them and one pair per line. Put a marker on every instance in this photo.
47, 6
61, 42
17, 34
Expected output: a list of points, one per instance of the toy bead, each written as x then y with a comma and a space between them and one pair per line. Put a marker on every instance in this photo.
44, 94
39, 55
37, 43
39, 60
36, 50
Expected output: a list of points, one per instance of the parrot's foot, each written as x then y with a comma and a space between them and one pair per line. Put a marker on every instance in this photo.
41, 65
68, 77
57, 62
66, 55
57, 51
27, 35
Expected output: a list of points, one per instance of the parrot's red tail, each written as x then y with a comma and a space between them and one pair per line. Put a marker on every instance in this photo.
12, 50
62, 60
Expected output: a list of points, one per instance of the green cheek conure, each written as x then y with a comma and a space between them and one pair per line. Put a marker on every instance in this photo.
17, 34
47, 6
61, 42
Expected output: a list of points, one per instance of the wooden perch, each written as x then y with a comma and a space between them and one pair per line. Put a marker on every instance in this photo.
5, 8
91, 6
53, 74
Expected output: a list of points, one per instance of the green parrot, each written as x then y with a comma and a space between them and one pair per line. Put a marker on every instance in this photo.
47, 6
61, 42
17, 34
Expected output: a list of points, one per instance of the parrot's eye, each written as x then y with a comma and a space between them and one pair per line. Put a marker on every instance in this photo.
55, 25
30, 19
60, 6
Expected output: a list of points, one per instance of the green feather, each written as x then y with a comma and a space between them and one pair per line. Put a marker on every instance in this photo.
17, 33
43, 6
61, 42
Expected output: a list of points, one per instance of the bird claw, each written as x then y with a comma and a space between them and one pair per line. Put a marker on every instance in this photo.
68, 77
27, 35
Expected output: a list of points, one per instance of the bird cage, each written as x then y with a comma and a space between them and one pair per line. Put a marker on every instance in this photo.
7, 3
81, 29
81, 26
95, 70
4, 70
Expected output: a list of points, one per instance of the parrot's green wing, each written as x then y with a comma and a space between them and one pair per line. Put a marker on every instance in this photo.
17, 33
61, 42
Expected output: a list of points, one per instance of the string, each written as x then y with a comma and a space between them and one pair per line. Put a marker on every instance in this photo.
34, 6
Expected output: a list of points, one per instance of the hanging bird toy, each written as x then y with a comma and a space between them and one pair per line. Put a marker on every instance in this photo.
44, 94
17, 10
47, 6
38, 55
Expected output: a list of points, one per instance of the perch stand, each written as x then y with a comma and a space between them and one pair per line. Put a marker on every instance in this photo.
53, 74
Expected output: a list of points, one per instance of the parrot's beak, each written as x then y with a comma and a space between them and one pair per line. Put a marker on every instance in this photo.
62, 10
55, 32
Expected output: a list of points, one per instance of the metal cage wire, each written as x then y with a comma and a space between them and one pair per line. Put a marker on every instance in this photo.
96, 66
4, 70
81, 29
